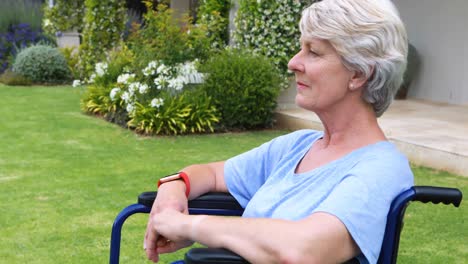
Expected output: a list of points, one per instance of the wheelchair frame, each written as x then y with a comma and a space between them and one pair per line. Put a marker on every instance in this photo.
225, 204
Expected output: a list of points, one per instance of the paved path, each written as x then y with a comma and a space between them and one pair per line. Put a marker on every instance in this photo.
430, 134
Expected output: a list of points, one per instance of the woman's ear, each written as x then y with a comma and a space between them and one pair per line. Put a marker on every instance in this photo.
359, 79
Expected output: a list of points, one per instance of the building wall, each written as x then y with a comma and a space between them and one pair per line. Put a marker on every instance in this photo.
439, 31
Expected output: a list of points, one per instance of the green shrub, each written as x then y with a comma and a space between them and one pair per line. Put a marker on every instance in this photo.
64, 16
119, 60
270, 28
244, 88
162, 38
215, 15
12, 78
71, 57
104, 24
42, 64
96, 101
180, 114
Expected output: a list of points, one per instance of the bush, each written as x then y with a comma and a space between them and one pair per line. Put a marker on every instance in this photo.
162, 38
19, 36
180, 114
64, 16
42, 64
244, 88
96, 101
215, 15
71, 56
104, 24
11, 78
270, 28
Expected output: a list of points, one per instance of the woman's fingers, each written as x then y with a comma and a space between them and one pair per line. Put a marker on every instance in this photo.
172, 246
149, 244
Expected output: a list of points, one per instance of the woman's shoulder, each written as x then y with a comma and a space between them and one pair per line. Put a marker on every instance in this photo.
384, 160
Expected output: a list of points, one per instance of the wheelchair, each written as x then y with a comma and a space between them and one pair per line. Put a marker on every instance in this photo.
226, 205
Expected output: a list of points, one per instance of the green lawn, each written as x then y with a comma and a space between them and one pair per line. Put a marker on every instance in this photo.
64, 176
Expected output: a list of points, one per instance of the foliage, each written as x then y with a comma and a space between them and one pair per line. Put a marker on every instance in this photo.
71, 56
16, 38
42, 64
162, 38
151, 100
119, 60
244, 88
14, 12
95, 100
181, 114
12, 78
103, 28
64, 16
270, 28
214, 14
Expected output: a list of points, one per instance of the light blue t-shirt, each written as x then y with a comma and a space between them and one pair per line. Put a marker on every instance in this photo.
357, 188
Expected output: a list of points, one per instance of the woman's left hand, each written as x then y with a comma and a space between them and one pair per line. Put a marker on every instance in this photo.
175, 227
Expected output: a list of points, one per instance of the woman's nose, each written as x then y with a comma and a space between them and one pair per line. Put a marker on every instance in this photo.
295, 63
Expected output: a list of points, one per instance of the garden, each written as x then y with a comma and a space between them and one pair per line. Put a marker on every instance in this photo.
86, 129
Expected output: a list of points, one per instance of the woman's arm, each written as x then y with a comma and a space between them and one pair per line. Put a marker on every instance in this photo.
320, 238
171, 195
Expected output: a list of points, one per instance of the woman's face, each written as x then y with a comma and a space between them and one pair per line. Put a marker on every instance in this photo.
321, 78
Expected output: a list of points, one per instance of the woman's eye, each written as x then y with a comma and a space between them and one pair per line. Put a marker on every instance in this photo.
313, 53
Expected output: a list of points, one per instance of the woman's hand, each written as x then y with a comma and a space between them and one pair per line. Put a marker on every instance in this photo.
171, 197
175, 227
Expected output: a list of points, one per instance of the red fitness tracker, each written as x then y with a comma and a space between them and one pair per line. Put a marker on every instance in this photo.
175, 177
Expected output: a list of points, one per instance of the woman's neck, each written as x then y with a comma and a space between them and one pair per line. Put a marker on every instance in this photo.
351, 128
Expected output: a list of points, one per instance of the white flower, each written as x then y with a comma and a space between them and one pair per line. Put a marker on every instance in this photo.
113, 93
76, 83
91, 78
157, 102
160, 82
101, 68
124, 78
176, 83
133, 87
47, 22
125, 96
150, 69
130, 108
153, 65
143, 88
162, 69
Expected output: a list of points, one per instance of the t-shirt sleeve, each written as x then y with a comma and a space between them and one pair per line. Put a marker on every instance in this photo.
362, 201
246, 173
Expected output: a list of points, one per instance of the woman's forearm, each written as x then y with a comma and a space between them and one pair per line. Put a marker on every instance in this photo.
257, 240
320, 238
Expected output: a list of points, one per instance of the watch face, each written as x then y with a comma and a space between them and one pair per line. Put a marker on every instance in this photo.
170, 178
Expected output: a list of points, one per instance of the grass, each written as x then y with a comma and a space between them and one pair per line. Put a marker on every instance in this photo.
64, 176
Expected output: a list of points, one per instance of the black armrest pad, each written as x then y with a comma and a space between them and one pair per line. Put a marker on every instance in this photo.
222, 256
213, 256
437, 195
207, 201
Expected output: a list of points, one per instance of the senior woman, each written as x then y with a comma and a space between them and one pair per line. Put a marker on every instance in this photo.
309, 196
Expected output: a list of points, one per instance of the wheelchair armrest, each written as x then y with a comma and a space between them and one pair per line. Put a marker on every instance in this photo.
219, 255
437, 195
212, 200
212, 256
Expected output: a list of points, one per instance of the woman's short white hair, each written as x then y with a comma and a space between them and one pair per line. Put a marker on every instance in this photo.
370, 38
